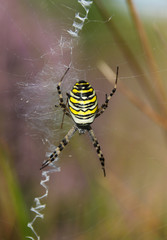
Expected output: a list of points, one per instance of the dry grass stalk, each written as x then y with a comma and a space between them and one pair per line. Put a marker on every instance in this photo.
142, 106
147, 49
154, 98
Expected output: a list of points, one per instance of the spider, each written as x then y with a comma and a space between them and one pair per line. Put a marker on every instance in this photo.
83, 109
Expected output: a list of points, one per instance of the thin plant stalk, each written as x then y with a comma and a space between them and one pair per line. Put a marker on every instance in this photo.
155, 101
146, 47
146, 109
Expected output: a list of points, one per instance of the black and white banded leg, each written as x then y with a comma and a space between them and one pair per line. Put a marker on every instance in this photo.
61, 146
105, 105
61, 101
98, 150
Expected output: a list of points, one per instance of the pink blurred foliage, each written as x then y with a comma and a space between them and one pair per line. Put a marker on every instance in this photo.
25, 48
27, 39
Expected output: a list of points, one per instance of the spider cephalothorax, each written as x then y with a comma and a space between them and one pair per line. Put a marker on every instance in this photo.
83, 109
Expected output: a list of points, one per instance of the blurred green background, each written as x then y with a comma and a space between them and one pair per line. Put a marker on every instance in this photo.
131, 202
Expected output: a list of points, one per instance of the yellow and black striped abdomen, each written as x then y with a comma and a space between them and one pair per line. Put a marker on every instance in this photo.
82, 103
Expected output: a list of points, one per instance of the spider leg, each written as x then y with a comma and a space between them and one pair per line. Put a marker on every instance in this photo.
61, 146
61, 101
64, 113
105, 105
98, 149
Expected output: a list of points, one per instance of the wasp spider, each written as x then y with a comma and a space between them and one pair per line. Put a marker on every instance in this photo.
83, 109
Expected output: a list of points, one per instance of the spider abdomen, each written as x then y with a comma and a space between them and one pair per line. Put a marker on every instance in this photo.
82, 103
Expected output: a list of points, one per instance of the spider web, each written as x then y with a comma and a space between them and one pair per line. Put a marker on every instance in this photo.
40, 47
37, 112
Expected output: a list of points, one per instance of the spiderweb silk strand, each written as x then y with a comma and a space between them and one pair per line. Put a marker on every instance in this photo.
80, 20
77, 26
38, 204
